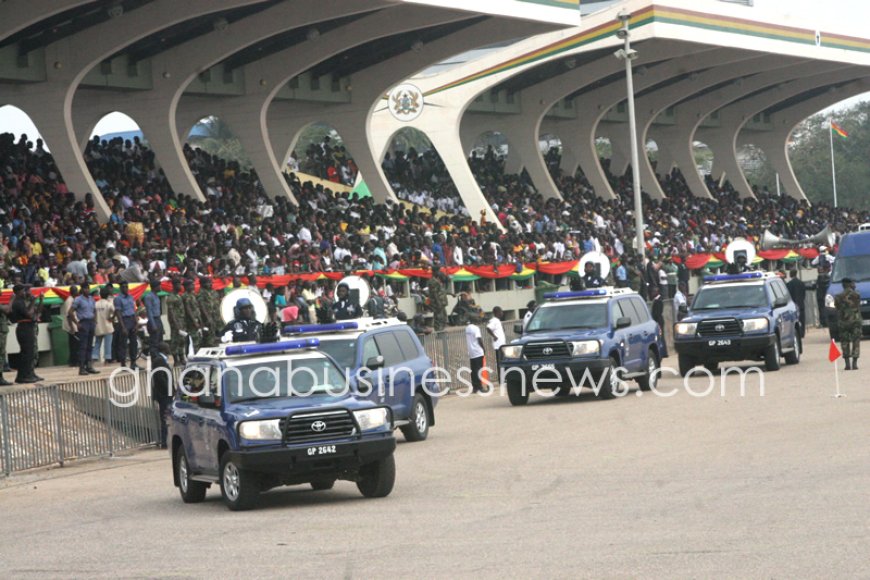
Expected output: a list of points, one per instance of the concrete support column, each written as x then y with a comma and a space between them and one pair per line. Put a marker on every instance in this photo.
525, 140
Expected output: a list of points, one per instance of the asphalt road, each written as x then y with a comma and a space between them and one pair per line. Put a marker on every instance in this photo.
645, 486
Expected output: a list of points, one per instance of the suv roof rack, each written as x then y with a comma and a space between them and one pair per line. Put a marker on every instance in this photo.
604, 292
249, 348
359, 324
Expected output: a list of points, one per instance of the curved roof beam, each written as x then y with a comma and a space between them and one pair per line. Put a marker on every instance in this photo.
20, 14
173, 70
732, 119
774, 143
70, 59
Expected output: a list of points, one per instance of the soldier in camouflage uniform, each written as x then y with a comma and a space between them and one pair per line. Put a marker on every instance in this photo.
4, 333
438, 299
192, 318
175, 313
210, 310
848, 307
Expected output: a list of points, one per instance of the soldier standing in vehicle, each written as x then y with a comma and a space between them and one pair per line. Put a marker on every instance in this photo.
192, 319
175, 313
848, 307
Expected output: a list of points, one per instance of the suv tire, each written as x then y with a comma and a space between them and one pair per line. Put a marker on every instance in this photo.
418, 427
649, 381
794, 357
610, 381
191, 491
517, 395
377, 478
240, 488
771, 356
686, 364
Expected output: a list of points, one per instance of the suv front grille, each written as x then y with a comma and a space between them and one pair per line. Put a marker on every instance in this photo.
317, 426
719, 327
541, 350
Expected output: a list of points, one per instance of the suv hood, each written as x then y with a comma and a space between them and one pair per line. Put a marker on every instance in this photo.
567, 334
738, 313
281, 407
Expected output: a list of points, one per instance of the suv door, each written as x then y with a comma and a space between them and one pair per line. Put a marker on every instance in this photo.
628, 336
784, 316
190, 412
396, 377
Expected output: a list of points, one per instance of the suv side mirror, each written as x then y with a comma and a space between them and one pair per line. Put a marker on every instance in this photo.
623, 322
780, 302
518, 328
375, 362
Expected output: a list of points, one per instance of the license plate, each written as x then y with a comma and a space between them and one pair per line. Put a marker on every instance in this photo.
720, 342
322, 450
551, 367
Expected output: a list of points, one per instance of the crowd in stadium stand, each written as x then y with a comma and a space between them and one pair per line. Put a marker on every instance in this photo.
49, 238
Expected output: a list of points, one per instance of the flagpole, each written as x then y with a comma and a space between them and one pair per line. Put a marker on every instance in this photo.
833, 166
839, 395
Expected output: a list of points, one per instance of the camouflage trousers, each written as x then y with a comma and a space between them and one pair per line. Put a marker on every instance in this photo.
3, 336
177, 346
439, 320
850, 338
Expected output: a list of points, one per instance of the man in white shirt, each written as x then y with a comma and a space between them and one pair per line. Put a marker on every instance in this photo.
474, 340
680, 301
496, 331
530, 310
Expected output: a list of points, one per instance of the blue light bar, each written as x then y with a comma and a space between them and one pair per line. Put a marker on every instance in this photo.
268, 347
580, 294
313, 328
733, 277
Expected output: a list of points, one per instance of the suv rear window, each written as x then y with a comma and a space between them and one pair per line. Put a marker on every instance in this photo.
389, 347
407, 344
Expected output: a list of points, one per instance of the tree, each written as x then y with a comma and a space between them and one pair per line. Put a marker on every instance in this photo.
215, 137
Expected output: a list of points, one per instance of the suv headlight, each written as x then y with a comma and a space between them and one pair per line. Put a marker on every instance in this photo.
585, 347
756, 325
371, 419
685, 328
511, 351
829, 301
268, 430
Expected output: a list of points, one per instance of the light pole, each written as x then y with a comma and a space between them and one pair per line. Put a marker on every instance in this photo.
627, 54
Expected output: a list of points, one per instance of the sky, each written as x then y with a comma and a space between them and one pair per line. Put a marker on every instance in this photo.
848, 17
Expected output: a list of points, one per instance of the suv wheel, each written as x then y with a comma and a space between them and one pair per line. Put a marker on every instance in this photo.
794, 357
418, 428
686, 365
191, 491
239, 487
772, 355
649, 381
518, 395
610, 384
377, 479
322, 484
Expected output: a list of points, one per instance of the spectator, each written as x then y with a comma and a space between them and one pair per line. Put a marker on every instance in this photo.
103, 333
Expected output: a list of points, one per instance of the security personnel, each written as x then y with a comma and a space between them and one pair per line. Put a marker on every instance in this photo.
125, 315
193, 324
175, 314
798, 293
210, 310
245, 327
438, 299
154, 310
591, 279
345, 307
822, 262
848, 307
4, 333
86, 315
24, 313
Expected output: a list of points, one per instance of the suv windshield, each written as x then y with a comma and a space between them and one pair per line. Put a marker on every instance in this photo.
855, 267
743, 296
267, 380
566, 316
343, 351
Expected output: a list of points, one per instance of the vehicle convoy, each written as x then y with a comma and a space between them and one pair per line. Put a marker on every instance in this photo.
251, 417
385, 361
592, 338
733, 317
853, 261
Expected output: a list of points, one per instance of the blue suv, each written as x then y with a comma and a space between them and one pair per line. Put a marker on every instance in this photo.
251, 417
591, 338
734, 317
385, 361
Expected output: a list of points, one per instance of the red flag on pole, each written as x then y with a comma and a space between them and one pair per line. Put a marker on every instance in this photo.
834, 352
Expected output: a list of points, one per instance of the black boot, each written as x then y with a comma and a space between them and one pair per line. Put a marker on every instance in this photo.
855, 363
83, 371
848, 364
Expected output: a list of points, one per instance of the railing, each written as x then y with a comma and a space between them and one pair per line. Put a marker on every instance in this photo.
449, 350
53, 424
